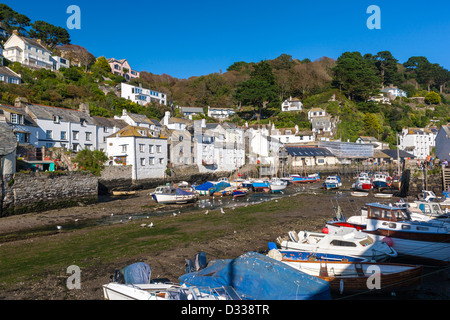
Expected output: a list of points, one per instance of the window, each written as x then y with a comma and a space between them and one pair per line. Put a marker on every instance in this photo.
49, 134
63, 135
88, 136
142, 161
158, 149
56, 119
150, 148
16, 118
22, 136
124, 148
151, 160
340, 243
161, 160
75, 135
141, 148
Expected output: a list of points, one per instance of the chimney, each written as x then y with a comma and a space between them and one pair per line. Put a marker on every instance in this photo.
16, 32
39, 41
84, 107
21, 102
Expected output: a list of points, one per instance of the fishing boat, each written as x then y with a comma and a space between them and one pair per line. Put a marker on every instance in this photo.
425, 211
419, 240
261, 186
305, 179
332, 182
239, 192
171, 195
380, 181
363, 183
255, 276
355, 276
277, 185
346, 241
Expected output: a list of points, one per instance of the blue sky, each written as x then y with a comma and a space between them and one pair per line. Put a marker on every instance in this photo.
193, 38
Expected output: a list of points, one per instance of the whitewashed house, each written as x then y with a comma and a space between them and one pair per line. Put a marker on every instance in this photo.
29, 52
291, 105
316, 112
262, 148
145, 150
417, 141
59, 62
64, 128
292, 135
139, 120
394, 92
106, 127
180, 147
175, 123
141, 95
220, 113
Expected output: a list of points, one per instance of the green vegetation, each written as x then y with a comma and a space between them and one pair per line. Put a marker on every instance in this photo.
91, 160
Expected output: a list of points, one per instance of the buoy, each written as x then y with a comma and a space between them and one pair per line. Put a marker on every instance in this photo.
388, 241
325, 230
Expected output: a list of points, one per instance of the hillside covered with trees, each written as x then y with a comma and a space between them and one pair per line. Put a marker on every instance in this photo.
255, 89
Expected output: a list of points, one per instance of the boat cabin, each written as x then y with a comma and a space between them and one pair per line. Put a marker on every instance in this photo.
384, 212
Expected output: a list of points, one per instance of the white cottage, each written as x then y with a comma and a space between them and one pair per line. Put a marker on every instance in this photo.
145, 150
291, 105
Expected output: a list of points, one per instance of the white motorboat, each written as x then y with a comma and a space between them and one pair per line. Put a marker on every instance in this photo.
363, 183
393, 224
164, 291
332, 182
170, 195
346, 241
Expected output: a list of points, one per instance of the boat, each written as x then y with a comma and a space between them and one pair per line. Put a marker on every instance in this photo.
171, 195
239, 192
362, 183
255, 276
425, 211
296, 255
218, 188
261, 186
383, 195
332, 182
305, 179
347, 241
134, 283
359, 194
277, 185
356, 276
420, 240
203, 189
124, 193
380, 180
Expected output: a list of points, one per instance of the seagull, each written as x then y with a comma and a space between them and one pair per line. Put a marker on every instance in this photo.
58, 227
129, 218
76, 220
112, 214
150, 225
221, 210
206, 212
174, 214
143, 225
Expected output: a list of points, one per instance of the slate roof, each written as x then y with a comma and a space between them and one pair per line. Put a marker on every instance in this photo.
67, 115
109, 122
28, 121
393, 154
309, 152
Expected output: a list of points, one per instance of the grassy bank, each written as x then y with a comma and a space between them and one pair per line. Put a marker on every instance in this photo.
34, 258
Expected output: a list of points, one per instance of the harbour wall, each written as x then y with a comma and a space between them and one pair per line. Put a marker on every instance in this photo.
39, 191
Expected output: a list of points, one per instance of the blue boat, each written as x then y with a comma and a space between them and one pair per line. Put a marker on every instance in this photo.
309, 179
332, 182
255, 276
261, 185
295, 255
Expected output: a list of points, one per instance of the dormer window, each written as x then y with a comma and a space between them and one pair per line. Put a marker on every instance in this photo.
56, 119
83, 123
16, 118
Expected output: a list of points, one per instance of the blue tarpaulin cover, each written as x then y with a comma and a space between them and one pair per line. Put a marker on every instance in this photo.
181, 191
137, 273
205, 186
220, 186
257, 277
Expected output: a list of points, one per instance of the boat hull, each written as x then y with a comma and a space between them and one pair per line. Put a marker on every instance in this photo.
174, 199
351, 277
276, 188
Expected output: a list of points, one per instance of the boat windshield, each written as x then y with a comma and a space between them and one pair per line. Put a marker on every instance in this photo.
366, 242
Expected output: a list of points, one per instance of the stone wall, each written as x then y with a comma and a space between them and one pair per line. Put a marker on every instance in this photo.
415, 181
39, 191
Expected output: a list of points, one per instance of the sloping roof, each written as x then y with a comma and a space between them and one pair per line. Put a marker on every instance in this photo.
393, 154
7, 71
191, 109
67, 115
8, 141
140, 118
309, 152
367, 138
109, 122
33, 42
133, 131
28, 121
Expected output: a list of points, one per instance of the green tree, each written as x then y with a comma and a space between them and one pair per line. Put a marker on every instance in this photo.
372, 126
12, 20
433, 98
387, 67
92, 161
260, 90
51, 35
421, 69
